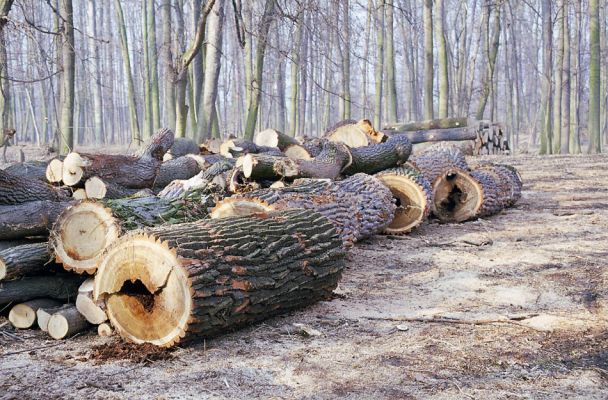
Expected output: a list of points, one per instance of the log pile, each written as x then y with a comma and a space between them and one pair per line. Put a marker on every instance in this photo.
186, 241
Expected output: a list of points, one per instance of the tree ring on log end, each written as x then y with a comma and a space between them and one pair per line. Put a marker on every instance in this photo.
146, 289
81, 234
457, 196
412, 202
231, 207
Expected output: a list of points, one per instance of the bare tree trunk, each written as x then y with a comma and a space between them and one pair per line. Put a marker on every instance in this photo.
559, 71
575, 115
442, 53
546, 114
5, 94
213, 54
167, 56
66, 121
258, 69
147, 99
345, 49
126, 60
380, 8
392, 109
565, 111
428, 59
153, 65
595, 140
491, 54
98, 128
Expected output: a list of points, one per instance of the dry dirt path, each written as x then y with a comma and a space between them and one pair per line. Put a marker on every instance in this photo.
505, 308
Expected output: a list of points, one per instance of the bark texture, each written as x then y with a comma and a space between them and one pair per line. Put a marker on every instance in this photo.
30, 219
24, 260
436, 160
18, 189
60, 287
375, 158
201, 279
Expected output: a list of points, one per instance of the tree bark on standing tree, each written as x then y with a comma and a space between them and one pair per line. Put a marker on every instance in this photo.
391, 74
428, 59
595, 140
5, 7
546, 119
442, 54
68, 58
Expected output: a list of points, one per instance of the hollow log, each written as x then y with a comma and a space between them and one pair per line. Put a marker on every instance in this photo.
24, 260
18, 189
23, 315
457, 196
441, 123
185, 282
354, 133
375, 158
435, 161
85, 230
66, 322
135, 172
60, 287
30, 219
359, 206
413, 194
29, 169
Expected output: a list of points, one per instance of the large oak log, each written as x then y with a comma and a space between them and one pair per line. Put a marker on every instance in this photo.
136, 172
359, 206
184, 282
413, 194
29, 219
24, 260
19, 189
183, 146
179, 168
60, 287
29, 169
85, 230
375, 158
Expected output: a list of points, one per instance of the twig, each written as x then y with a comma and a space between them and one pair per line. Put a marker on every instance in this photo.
455, 321
30, 349
461, 391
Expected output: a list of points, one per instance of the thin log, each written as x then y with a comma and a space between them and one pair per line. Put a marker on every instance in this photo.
375, 158
441, 123
60, 287
66, 322
214, 175
23, 315
179, 168
105, 330
185, 282
235, 148
274, 138
44, 314
24, 260
29, 219
94, 312
438, 135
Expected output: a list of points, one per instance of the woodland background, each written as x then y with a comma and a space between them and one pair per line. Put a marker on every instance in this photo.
102, 72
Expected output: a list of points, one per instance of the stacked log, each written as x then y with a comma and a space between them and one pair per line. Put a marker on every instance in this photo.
184, 282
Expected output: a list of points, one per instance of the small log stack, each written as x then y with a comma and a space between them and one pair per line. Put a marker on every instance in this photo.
245, 231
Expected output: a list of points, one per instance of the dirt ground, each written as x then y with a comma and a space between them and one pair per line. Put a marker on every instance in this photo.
512, 307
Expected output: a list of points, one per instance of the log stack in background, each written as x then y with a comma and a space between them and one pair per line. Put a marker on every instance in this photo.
185, 241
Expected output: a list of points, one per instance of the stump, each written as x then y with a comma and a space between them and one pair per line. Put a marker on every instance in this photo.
413, 194
184, 282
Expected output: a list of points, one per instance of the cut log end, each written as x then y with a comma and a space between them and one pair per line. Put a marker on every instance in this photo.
66, 322
457, 196
72, 170
412, 194
23, 316
81, 234
54, 171
232, 207
297, 152
95, 188
79, 194
147, 292
104, 330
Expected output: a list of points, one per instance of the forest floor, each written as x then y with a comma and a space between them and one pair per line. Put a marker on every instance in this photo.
519, 303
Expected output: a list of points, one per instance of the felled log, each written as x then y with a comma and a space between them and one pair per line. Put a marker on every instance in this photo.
94, 312
354, 133
413, 194
375, 158
29, 219
44, 314
184, 282
290, 146
135, 172
441, 123
18, 189
212, 176
234, 148
24, 260
7, 244
436, 160
29, 169
85, 230
359, 206
96, 188
66, 322
60, 287
23, 315
510, 178
183, 146
179, 168
457, 196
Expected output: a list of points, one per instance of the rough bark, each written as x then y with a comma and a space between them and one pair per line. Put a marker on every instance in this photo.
178, 168
213, 176
18, 190
359, 206
60, 287
29, 169
205, 278
24, 260
436, 160
29, 219
182, 147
